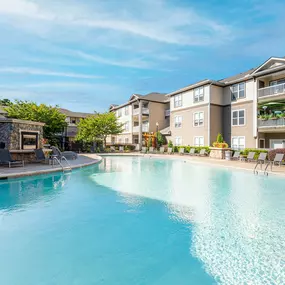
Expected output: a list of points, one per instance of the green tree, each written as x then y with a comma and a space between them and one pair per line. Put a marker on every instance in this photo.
53, 119
220, 138
160, 139
99, 126
5, 102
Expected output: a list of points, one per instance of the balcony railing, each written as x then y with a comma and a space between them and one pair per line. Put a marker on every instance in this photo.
145, 128
145, 111
167, 113
271, 123
136, 111
271, 90
136, 129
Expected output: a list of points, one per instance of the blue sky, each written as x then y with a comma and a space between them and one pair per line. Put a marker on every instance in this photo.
85, 55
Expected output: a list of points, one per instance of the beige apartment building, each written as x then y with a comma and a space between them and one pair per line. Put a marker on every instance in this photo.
248, 109
141, 115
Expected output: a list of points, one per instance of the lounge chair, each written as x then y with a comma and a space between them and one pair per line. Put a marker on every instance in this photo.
151, 149
236, 155
161, 149
121, 149
181, 150
6, 158
250, 157
202, 152
112, 149
169, 150
144, 149
260, 161
192, 151
276, 161
60, 155
40, 156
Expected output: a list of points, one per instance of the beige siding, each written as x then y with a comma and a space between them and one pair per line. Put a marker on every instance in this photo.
247, 129
216, 122
187, 132
217, 95
157, 115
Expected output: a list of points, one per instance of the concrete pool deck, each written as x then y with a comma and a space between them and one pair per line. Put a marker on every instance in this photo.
90, 159
233, 164
40, 168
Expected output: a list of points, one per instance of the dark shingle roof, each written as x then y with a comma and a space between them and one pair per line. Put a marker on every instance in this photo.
69, 113
242, 75
154, 96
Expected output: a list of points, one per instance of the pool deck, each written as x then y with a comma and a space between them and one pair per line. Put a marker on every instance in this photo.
233, 164
40, 168
90, 159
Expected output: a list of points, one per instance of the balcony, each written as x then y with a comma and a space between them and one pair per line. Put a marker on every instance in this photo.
136, 111
167, 113
136, 129
271, 124
271, 91
145, 128
145, 111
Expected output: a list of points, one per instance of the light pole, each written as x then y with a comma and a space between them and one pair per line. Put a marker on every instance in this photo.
157, 125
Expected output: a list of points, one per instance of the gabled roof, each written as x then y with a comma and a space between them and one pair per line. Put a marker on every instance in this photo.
153, 96
271, 63
69, 113
241, 76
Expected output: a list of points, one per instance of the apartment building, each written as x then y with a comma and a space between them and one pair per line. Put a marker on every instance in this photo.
141, 115
234, 107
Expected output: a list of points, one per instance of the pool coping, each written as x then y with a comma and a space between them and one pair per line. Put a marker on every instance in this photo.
6, 176
202, 160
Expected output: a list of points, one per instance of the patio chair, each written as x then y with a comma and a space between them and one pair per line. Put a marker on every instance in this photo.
144, 149
40, 156
121, 149
63, 155
276, 161
151, 149
192, 151
6, 158
169, 150
260, 161
236, 156
162, 150
250, 157
202, 152
181, 150
112, 149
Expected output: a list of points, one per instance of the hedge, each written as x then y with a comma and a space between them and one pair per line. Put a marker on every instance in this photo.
187, 148
273, 152
257, 151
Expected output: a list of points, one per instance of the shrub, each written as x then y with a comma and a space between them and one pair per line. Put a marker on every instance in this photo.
187, 148
257, 151
273, 152
170, 143
220, 144
220, 138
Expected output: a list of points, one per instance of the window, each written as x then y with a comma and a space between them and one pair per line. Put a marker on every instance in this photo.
178, 121
126, 110
238, 143
198, 141
178, 101
238, 91
178, 141
198, 119
199, 94
73, 120
29, 140
119, 113
127, 126
238, 118
126, 140
120, 140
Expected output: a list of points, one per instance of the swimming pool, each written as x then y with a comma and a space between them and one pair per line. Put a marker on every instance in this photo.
133, 220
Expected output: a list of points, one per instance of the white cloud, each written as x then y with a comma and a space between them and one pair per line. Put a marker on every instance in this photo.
34, 71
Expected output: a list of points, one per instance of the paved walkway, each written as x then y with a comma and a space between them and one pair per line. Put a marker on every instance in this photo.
241, 165
40, 168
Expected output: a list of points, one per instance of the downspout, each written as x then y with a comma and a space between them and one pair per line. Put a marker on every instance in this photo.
209, 116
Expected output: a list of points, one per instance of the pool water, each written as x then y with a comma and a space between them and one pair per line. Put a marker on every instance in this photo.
142, 221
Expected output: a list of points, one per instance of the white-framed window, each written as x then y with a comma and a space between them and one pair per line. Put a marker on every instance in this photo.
238, 91
178, 121
178, 141
126, 110
120, 140
198, 119
126, 140
198, 141
178, 100
127, 126
119, 113
238, 142
238, 117
199, 94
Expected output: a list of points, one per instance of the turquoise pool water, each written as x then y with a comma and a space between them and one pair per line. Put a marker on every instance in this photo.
143, 221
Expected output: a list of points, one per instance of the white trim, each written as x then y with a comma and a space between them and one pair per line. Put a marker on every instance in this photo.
199, 137
180, 138
238, 137
194, 95
266, 62
237, 110
180, 122
181, 100
238, 91
198, 112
